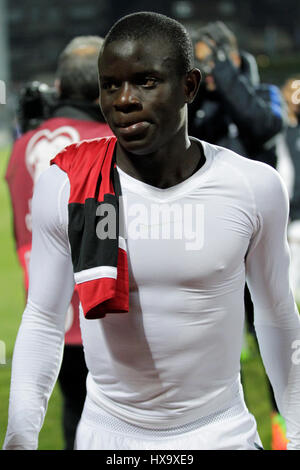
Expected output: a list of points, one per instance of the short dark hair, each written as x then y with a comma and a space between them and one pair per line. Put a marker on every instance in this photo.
77, 69
150, 25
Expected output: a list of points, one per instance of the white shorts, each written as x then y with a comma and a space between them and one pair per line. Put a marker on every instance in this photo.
231, 429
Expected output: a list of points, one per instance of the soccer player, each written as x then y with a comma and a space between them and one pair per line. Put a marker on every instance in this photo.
160, 271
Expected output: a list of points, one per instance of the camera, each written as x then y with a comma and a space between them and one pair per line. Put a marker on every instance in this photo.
35, 105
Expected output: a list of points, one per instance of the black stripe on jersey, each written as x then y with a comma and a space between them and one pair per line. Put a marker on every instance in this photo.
87, 249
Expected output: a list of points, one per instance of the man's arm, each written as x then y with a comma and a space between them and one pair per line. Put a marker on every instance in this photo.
276, 317
39, 345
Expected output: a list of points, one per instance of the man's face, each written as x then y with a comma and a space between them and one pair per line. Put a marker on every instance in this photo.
141, 95
290, 95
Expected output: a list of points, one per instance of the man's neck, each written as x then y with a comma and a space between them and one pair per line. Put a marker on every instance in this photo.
164, 168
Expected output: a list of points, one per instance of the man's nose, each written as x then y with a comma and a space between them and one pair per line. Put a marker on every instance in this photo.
127, 98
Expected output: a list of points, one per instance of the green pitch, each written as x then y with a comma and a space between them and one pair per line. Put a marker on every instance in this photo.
11, 308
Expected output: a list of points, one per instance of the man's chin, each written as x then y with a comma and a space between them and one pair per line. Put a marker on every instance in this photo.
138, 146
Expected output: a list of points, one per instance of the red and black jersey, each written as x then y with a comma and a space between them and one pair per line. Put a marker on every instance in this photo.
99, 262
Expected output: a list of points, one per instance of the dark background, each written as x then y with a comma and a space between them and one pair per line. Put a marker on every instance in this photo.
37, 30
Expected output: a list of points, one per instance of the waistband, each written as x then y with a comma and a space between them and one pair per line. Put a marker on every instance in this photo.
96, 416
150, 419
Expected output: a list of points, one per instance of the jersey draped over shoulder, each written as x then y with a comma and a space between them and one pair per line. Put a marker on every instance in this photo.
100, 263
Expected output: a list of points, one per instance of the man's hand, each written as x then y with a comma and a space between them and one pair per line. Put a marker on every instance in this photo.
212, 45
205, 56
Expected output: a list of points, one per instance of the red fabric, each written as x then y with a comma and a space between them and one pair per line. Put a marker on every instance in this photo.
83, 163
20, 185
106, 295
23, 166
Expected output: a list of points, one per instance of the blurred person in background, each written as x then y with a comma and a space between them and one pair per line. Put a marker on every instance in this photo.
234, 110
49, 120
289, 169
290, 159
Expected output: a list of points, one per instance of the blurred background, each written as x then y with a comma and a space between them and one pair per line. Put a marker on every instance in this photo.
32, 34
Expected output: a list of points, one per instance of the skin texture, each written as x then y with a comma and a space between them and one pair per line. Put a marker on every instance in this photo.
144, 100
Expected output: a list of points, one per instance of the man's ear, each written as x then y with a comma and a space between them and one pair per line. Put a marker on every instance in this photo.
192, 82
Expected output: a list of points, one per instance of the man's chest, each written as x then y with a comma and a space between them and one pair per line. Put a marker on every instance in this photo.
193, 240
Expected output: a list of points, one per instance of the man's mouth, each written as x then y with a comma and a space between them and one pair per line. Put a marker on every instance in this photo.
132, 129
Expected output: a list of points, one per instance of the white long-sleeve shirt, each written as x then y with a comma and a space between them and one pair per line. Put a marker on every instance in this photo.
175, 356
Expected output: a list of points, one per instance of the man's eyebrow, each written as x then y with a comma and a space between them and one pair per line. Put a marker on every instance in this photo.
147, 72
135, 75
105, 77
158, 74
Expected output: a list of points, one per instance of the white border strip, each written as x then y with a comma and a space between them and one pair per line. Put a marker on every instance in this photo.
122, 244
95, 273
99, 271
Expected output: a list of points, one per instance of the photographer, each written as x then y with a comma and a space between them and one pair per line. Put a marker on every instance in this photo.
233, 109
289, 160
50, 120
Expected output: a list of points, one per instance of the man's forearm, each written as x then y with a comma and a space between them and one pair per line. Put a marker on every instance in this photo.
280, 353
36, 362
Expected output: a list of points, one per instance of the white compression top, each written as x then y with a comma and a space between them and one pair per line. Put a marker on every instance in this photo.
176, 355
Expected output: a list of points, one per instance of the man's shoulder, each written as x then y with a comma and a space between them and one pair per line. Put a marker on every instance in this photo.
226, 156
230, 156
88, 144
51, 180
251, 180
233, 166
84, 152
50, 202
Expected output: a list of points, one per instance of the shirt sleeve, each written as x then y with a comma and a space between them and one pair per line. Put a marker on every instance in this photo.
39, 344
276, 317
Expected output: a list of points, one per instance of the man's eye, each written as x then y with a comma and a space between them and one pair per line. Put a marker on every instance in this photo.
148, 82
110, 86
